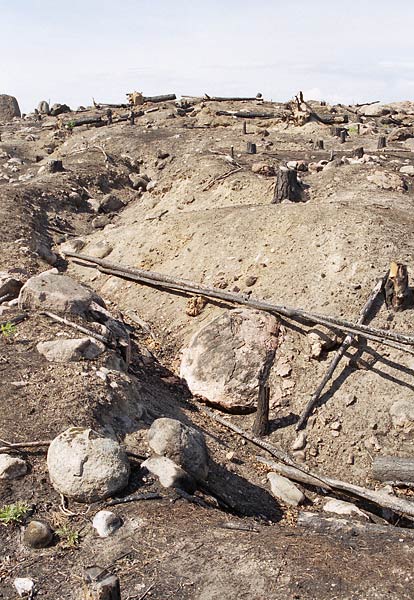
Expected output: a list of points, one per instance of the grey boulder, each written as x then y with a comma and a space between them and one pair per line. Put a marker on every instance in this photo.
182, 444
106, 523
9, 285
9, 107
37, 534
72, 350
223, 359
59, 293
86, 466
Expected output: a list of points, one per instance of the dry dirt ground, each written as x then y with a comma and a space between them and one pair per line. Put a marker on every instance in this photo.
324, 254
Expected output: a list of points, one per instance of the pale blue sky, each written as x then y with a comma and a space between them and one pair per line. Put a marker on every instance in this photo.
68, 51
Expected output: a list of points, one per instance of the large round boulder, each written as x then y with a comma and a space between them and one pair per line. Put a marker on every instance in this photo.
182, 444
9, 108
224, 359
86, 466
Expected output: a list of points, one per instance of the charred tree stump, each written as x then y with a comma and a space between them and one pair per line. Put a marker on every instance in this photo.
99, 585
251, 148
109, 116
396, 287
393, 469
261, 422
287, 187
358, 152
343, 136
232, 151
382, 142
318, 145
244, 127
336, 131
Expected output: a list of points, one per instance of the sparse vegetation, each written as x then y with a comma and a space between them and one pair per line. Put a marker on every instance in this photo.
69, 537
7, 330
13, 513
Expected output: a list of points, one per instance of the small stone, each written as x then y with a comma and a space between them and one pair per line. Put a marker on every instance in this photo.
230, 455
38, 534
106, 523
250, 280
336, 426
99, 249
110, 203
12, 467
283, 489
340, 507
351, 459
300, 441
335, 433
408, 170
24, 586
170, 475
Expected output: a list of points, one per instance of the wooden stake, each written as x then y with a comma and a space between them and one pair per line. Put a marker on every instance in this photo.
251, 148
382, 142
244, 127
339, 354
343, 136
261, 422
318, 145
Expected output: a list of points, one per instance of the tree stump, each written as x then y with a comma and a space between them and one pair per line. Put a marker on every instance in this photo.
358, 152
318, 145
336, 131
251, 148
232, 151
100, 585
343, 136
287, 187
382, 142
396, 287
261, 422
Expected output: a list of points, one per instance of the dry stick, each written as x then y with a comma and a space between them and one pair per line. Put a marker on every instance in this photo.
152, 278
220, 178
381, 498
15, 320
339, 354
22, 445
100, 338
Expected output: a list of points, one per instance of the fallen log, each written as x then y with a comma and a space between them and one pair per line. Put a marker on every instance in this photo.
340, 353
163, 98
391, 338
394, 470
333, 525
231, 99
107, 105
97, 121
245, 114
380, 498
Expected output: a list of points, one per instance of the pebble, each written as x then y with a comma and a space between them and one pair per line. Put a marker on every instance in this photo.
38, 534
106, 523
300, 441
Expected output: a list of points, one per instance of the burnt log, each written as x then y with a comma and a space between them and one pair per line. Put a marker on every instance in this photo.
244, 127
358, 152
393, 469
164, 98
343, 136
97, 121
245, 114
287, 187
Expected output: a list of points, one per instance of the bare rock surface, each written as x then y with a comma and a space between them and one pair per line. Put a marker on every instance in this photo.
284, 490
223, 360
86, 466
106, 523
12, 467
71, 350
60, 293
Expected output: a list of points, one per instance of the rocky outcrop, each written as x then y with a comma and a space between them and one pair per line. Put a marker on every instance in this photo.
224, 359
64, 351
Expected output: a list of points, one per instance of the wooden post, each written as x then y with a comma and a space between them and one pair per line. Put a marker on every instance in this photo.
287, 187
109, 115
251, 148
382, 142
343, 136
245, 127
358, 128
100, 585
358, 152
261, 422
331, 156
318, 145
232, 151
